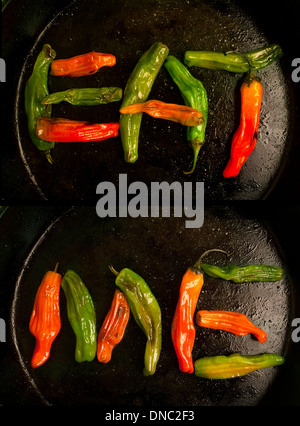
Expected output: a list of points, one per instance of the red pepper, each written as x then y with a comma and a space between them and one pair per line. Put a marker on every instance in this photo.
234, 322
183, 329
245, 138
64, 130
45, 322
80, 65
113, 327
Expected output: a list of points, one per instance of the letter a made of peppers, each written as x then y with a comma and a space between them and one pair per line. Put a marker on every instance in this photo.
45, 321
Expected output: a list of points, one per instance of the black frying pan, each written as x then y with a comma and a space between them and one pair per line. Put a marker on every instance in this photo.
127, 29
36, 238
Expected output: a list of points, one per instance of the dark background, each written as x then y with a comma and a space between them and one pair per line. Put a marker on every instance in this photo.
281, 210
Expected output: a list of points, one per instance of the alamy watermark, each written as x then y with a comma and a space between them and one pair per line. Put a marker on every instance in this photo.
2, 71
296, 71
2, 330
139, 200
296, 331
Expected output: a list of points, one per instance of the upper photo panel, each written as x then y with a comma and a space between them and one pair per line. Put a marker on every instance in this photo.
159, 91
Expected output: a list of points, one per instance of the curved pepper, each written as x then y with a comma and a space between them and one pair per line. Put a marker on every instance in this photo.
36, 90
113, 327
80, 65
45, 321
194, 95
81, 315
234, 322
183, 328
245, 138
235, 365
65, 130
234, 61
146, 312
85, 96
242, 274
137, 89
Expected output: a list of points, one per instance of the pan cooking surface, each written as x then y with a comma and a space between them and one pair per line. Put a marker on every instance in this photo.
127, 29
161, 254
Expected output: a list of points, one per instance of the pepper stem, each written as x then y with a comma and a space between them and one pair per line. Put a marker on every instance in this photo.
196, 152
56, 267
113, 270
197, 265
48, 156
250, 73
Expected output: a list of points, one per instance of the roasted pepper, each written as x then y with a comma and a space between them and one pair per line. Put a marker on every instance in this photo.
86, 96
234, 61
235, 365
137, 90
183, 329
242, 274
36, 90
113, 327
146, 312
245, 138
81, 315
194, 95
85, 64
182, 114
234, 322
45, 321
65, 130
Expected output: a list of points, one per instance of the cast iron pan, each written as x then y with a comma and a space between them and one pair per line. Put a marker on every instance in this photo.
160, 250
127, 29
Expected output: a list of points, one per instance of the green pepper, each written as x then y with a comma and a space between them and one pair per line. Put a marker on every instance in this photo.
36, 90
81, 314
86, 96
234, 61
235, 365
194, 95
137, 90
241, 274
146, 312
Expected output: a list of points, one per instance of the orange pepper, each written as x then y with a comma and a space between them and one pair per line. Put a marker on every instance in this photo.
183, 330
113, 327
86, 64
245, 138
182, 114
45, 322
65, 130
234, 322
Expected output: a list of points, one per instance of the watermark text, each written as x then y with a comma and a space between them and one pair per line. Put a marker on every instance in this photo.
296, 71
2, 70
139, 200
2, 330
296, 331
